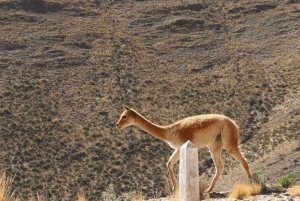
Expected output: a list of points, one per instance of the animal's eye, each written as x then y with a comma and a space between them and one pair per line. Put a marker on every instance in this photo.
124, 117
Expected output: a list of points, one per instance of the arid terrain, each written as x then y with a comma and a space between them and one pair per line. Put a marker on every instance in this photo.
67, 66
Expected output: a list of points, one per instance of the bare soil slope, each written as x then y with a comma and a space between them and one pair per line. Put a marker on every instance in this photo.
67, 66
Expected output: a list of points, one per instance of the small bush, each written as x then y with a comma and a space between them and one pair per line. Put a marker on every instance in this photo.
109, 194
77, 155
5, 112
259, 177
287, 181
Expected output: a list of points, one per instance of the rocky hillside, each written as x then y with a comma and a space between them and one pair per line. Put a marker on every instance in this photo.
67, 66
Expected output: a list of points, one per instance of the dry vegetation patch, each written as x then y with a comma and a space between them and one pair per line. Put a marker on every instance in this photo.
67, 66
244, 191
295, 190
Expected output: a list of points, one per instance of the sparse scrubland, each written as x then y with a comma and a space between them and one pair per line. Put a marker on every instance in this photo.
240, 191
66, 66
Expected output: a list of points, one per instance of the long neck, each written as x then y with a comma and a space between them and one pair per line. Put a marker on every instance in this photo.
149, 127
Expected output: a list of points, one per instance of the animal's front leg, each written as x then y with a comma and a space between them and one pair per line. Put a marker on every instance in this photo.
215, 149
173, 159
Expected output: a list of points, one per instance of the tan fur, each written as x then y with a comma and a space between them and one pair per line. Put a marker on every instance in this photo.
212, 130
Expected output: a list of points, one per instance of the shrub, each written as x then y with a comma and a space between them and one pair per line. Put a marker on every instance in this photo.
77, 155
260, 176
109, 194
5, 112
287, 181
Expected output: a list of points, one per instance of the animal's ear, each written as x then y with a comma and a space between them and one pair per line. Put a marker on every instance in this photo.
125, 107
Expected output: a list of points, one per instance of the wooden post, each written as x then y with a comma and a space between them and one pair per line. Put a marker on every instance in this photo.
188, 173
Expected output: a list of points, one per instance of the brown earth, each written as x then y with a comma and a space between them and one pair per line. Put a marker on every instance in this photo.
67, 66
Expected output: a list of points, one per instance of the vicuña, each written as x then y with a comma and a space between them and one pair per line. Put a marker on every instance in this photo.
212, 130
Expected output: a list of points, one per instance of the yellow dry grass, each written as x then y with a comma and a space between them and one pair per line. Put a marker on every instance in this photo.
155, 68
80, 198
175, 197
242, 191
6, 194
256, 188
5, 182
138, 197
295, 190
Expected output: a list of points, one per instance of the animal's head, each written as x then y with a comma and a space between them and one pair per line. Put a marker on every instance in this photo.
126, 118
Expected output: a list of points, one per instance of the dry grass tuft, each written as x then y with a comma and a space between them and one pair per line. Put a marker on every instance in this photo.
242, 191
138, 197
5, 191
73, 65
256, 189
80, 198
6, 194
295, 190
176, 197
207, 197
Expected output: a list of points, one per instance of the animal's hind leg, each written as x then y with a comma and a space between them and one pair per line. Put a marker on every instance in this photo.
230, 138
235, 152
215, 149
